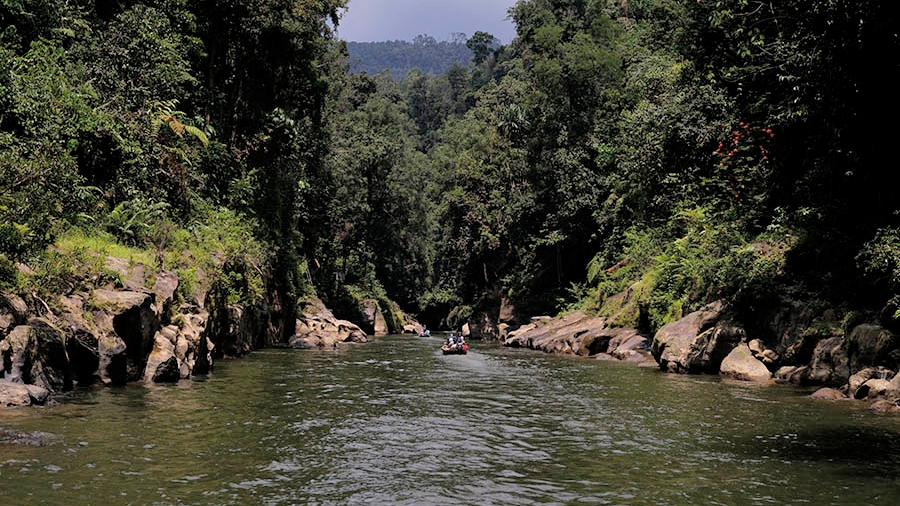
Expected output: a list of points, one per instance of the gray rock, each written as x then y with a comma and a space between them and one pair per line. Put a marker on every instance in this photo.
872, 389
162, 361
627, 343
740, 364
17, 394
697, 343
829, 365
35, 354
318, 328
868, 373
133, 318
13, 311
791, 374
574, 333
17, 352
828, 394
885, 406
872, 345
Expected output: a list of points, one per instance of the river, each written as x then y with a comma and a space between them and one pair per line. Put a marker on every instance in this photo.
396, 422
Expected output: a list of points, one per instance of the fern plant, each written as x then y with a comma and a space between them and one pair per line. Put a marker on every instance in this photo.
130, 221
165, 114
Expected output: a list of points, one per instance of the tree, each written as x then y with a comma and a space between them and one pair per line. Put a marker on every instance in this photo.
481, 44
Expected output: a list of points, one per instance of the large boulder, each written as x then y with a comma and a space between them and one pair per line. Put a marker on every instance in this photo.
697, 343
574, 333
413, 328
874, 389
381, 327
194, 349
134, 319
179, 351
827, 393
35, 354
628, 344
239, 329
868, 373
112, 364
579, 334
13, 311
373, 319
740, 364
51, 368
872, 345
164, 287
482, 325
324, 332
82, 338
16, 353
140, 278
791, 374
320, 332
317, 327
829, 365
162, 365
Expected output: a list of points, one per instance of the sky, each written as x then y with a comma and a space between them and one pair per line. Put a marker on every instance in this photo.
381, 20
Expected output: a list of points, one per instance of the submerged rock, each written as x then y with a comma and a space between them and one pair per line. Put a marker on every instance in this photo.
828, 394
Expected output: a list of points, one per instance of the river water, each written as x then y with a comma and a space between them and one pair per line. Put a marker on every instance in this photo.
396, 422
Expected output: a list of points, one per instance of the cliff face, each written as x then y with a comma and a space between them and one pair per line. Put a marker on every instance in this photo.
133, 331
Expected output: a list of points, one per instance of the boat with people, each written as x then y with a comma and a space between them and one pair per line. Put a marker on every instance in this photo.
455, 345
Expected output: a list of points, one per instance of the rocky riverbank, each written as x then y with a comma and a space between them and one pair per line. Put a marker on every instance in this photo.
861, 363
137, 331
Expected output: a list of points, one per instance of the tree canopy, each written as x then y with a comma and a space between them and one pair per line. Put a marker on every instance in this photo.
676, 152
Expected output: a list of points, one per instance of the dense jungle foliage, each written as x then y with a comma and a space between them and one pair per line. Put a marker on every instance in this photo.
636, 158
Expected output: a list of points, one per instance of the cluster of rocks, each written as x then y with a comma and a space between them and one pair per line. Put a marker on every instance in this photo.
581, 334
134, 333
109, 334
317, 327
860, 364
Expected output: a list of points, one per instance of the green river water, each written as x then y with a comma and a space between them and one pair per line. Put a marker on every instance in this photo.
396, 422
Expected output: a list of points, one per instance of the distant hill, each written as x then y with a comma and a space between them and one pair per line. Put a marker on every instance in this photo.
430, 56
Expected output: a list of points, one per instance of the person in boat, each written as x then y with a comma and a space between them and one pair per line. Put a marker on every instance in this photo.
451, 340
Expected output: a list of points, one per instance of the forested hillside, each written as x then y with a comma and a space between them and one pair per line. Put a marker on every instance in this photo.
636, 159
399, 57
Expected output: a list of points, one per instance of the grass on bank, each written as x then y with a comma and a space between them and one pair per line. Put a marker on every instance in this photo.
217, 250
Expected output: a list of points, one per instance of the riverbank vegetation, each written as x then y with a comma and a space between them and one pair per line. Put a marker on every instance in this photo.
679, 152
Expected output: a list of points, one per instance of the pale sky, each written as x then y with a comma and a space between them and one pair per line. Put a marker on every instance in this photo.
381, 20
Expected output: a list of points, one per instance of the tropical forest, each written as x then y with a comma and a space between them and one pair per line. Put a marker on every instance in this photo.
245, 261
635, 160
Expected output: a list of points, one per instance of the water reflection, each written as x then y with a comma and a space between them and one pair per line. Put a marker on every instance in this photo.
396, 421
